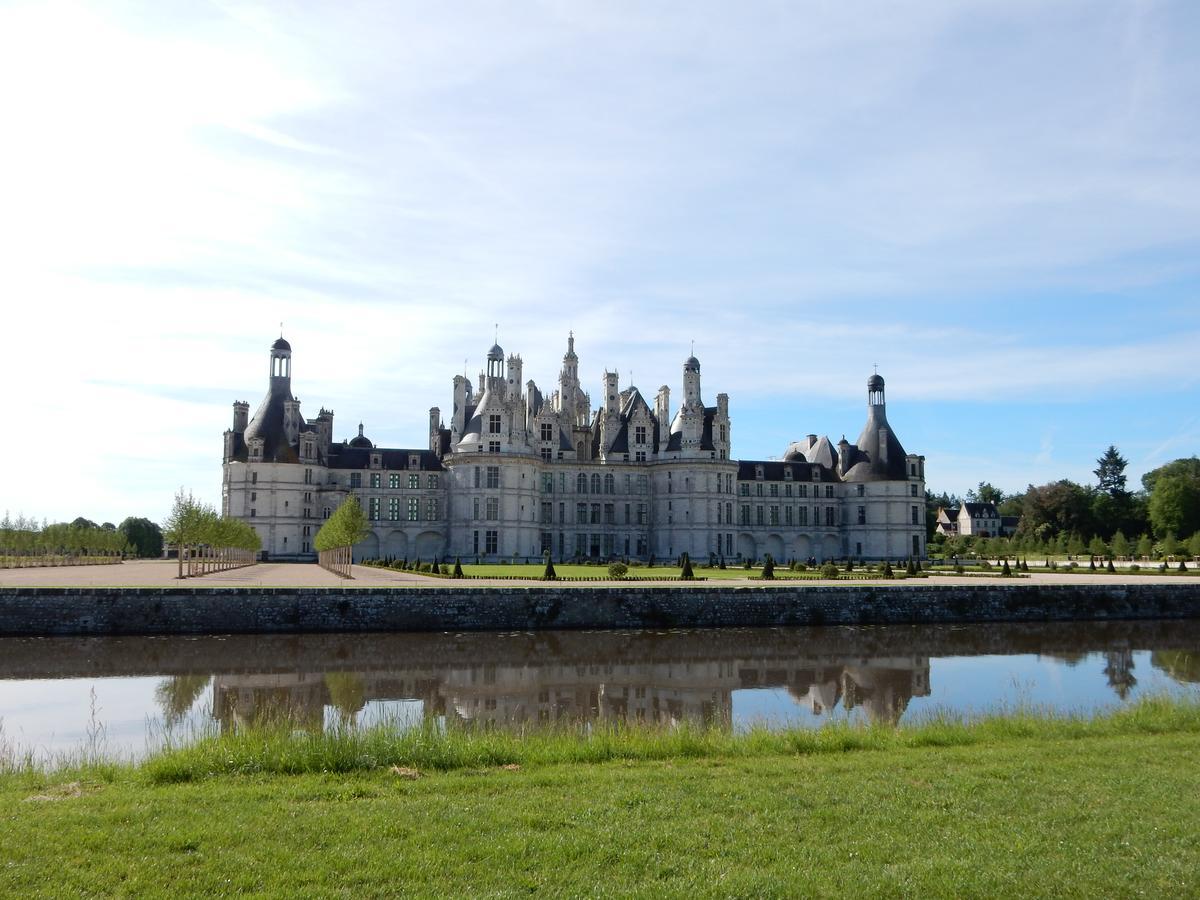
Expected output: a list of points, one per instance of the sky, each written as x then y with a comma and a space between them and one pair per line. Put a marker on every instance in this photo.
996, 203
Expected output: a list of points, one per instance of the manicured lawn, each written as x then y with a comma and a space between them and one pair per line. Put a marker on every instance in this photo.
565, 570
1023, 810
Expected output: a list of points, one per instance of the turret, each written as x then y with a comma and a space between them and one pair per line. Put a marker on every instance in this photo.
435, 437
662, 406
612, 399
241, 416
514, 377
691, 381
291, 421
281, 364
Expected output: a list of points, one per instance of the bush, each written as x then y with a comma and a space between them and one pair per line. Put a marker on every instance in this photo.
849, 564
887, 570
830, 570
910, 569
800, 567
746, 564
958, 569
768, 569
444, 569
618, 570
1135, 568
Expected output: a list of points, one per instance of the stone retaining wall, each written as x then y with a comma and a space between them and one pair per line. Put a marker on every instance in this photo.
199, 610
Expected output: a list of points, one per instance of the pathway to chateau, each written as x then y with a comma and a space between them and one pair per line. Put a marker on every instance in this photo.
162, 573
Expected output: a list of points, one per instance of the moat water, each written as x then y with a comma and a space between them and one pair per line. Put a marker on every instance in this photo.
120, 696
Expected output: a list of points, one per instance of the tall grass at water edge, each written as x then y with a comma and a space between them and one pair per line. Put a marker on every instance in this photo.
342, 748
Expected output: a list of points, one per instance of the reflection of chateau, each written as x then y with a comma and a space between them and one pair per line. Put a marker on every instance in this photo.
517, 473
659, 692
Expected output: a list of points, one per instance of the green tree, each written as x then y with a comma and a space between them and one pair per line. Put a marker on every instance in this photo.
1110, 472
1120, 545
1074, 544
1175, 497
1170, 546
1097, 547
144, 536
1194, 544
1145, 547
985, 493
346, 527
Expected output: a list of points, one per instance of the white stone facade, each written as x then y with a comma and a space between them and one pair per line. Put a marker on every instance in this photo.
516, 473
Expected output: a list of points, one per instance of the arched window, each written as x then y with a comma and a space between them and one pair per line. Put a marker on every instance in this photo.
610, 483
581, 484
595, 482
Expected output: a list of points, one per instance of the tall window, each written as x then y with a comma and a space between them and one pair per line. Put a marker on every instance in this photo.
829, 515
547, 431
639, 434
581, 513
493, 424
581, 484
829, 490
431, 508
862, 515
355, 479
394, 508
493, 476
595, 482
373, 507
431, 482
414, 509
610, 483
491, 542
308, 476
493, 508
478, 476
547, 512
376, 480
474, 507
414, 482
394, 481
916, 516
493, 446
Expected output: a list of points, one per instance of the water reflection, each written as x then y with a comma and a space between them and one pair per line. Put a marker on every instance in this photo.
726, 677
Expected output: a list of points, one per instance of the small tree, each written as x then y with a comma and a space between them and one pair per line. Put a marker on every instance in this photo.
548, 573
341, 531
1112, 570
686, 573
768, 569
1005, 571
617, 570
1145, 547
458, 572
1120, 545
887, 570
1170, 546
721, 564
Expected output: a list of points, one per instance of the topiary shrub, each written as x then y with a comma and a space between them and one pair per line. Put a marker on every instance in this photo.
958, 569
721, 564
768, 569
650, 562
887, 570
910, 569
746, 564
548, 573
800, 567
830, 570
458, 572
618, 570
1182, 566
849, 563
444, 569
686, 573
1110, 568
1135, 568
1092, 564
1005, 571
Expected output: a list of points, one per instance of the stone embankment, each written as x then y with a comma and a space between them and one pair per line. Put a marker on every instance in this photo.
200, 610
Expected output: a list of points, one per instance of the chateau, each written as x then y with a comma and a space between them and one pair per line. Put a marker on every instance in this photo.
517, 473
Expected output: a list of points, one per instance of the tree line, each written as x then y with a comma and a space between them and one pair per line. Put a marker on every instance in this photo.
1101, 519
205, 540
336, 538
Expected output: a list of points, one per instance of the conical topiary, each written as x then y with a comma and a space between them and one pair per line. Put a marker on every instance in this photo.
686, 573
721, 564
1005, 571
548, 574
887, 570
909, 568
768, 569
458, 572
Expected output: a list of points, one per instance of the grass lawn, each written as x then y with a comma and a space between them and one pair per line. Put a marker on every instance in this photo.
1024, 809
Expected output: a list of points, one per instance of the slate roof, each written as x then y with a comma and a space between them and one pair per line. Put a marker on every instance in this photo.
982, 510
267, 424
343, 456
775, 470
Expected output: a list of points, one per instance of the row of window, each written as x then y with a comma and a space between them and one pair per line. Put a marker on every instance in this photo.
411, 509
772, 490
595, 484
395, 481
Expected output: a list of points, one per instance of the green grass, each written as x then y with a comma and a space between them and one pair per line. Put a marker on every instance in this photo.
1022, 805
566, 570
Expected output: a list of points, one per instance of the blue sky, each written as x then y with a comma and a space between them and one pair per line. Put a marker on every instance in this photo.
996, 202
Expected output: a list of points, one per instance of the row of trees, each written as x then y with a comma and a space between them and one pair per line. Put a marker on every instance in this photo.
207, 541
335, 541
1166, 509
24, 542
